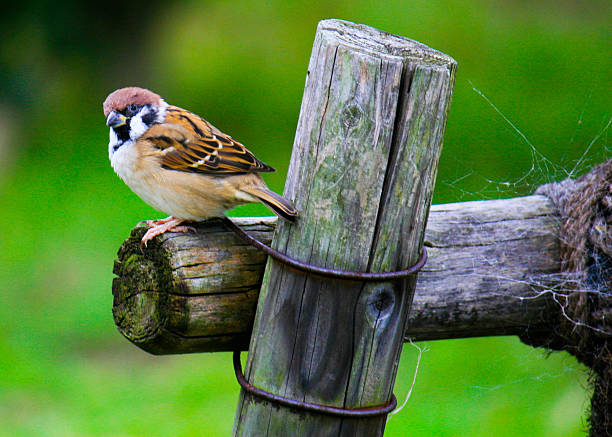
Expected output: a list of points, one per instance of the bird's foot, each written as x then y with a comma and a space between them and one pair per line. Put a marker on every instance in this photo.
158, 227
151, 223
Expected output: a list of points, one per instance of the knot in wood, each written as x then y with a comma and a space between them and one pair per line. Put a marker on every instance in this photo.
381, 301
351, 115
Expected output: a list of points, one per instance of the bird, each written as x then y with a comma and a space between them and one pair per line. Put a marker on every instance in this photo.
180, 164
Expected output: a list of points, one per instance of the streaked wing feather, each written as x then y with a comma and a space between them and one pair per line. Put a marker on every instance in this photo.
194, 145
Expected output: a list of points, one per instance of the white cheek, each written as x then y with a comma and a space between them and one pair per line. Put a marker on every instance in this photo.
137, 127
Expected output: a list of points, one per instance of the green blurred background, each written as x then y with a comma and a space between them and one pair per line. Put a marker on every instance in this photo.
64, 368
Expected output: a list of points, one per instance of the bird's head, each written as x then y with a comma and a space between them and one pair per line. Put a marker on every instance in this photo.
130, 112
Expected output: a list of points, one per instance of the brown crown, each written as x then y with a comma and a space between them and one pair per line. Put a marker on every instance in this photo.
119, 99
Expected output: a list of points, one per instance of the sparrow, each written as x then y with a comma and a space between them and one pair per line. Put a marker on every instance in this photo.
180, 164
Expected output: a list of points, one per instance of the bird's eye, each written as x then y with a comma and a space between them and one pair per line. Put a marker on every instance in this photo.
132, 108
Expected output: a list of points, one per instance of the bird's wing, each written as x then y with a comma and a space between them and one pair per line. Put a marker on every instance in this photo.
187, 142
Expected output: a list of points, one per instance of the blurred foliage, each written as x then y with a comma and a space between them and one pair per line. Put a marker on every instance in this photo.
64, 369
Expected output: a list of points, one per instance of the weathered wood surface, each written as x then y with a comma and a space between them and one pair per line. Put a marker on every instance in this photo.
362, 174
488, 260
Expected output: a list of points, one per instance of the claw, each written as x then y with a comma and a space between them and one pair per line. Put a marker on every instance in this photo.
158, 227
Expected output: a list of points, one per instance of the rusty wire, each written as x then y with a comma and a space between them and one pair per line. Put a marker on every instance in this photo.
324, 271
371, 411
376, 410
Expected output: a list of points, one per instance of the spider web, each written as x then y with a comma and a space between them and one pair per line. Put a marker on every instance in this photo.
544, 170
541, 170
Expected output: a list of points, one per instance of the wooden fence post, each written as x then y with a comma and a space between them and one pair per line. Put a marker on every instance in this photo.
362, 175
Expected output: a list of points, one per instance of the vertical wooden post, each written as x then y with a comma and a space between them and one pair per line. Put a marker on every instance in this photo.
362, 174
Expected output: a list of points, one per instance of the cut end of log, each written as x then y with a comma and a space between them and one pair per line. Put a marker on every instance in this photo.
381, 42
193, 292
140, 289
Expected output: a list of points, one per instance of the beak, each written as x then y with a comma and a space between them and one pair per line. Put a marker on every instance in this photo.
116, 119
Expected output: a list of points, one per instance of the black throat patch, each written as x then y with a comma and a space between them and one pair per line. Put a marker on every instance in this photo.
123, 133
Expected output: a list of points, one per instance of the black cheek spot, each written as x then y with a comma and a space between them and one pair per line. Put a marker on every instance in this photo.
149, 118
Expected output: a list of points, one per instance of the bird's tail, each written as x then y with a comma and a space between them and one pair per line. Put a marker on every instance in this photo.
281, 206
